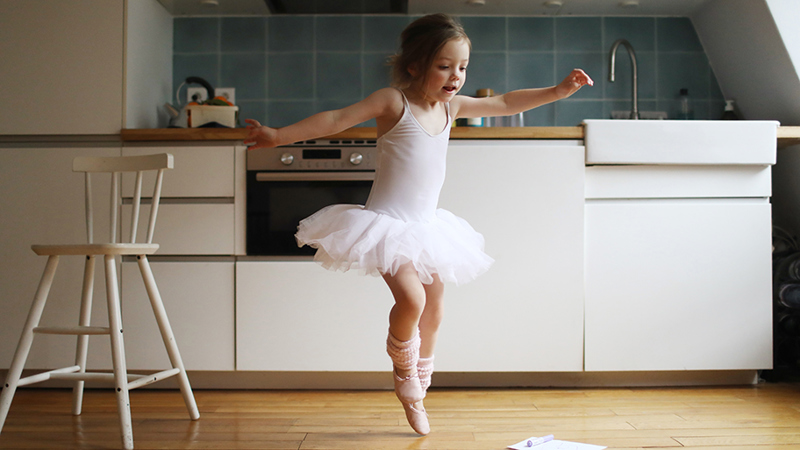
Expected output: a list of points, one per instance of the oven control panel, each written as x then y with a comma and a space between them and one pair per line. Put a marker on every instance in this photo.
316, 155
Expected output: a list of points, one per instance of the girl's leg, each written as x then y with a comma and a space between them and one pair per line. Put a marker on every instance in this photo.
431, 316
429, 329
409, 302
403, 342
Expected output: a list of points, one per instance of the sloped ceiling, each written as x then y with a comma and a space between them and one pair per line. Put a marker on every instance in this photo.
748, 51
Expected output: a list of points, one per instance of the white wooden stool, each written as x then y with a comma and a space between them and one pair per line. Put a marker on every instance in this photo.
110, 251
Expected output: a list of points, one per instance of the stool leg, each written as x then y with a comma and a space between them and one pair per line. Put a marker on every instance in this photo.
167, 336
25, 341
83, 340
118, 352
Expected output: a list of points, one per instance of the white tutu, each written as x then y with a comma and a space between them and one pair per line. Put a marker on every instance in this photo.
351, 237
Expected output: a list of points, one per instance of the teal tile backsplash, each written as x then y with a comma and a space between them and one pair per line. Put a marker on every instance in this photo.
285, 68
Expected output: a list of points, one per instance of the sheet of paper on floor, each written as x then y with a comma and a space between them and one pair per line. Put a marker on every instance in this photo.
555, 445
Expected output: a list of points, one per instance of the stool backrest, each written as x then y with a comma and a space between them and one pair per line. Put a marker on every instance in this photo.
116, 165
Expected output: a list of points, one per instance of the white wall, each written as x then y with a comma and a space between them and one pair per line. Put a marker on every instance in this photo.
148, 71
748, 52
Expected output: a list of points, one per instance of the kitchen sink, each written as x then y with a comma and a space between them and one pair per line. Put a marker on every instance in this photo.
680, 141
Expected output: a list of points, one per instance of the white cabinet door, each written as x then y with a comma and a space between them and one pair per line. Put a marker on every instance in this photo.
526, 313
297, 316
199, 299
42, 202
678, 285
62, 69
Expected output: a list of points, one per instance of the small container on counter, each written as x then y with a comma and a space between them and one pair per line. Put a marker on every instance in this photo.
685, 112
483, 121
730, 112
514, 120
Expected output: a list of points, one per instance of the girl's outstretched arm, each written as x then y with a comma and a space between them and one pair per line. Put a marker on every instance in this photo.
521, 100
321, 124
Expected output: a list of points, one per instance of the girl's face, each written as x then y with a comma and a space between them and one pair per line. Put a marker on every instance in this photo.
447, 74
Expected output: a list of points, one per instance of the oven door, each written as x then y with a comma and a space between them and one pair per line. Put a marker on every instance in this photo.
278, 201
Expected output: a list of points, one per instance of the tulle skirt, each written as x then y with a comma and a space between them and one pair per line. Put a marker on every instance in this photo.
351, 237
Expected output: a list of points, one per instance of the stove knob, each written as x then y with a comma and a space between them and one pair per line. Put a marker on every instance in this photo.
287, 158
356, 158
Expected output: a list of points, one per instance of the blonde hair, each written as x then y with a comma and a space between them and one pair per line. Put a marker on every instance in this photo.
420, 42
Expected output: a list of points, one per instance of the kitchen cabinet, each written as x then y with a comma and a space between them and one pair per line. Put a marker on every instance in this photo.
194, 265
197, 214
678, 268
43, 203
526, 312
199, 299
526, 198
69, 66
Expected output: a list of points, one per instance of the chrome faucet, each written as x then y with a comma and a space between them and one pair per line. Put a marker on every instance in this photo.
612, 62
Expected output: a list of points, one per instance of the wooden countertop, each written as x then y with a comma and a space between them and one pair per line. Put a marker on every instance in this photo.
787, 135
237, 134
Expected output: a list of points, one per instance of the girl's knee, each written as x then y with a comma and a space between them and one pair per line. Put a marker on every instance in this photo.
411, 300
406, 288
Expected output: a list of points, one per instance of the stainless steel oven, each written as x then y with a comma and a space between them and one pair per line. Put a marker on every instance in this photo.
288, 184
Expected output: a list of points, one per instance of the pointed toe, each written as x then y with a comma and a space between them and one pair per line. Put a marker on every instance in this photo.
417, 418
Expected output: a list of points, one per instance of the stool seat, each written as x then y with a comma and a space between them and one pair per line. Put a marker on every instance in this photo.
95, 249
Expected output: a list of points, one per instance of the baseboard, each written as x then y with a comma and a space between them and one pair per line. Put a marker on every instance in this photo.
383, 380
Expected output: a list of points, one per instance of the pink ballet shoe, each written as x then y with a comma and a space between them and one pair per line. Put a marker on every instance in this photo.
408, 389
418, 419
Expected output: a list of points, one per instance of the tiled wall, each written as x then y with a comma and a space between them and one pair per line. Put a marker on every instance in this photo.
285, 68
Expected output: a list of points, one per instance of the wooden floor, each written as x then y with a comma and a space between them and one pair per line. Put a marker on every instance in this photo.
760, 417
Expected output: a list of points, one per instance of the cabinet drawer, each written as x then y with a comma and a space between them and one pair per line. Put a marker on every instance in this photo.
187, 229
198, 172
652, 181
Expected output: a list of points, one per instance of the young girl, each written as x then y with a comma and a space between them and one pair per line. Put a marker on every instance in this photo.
399, 233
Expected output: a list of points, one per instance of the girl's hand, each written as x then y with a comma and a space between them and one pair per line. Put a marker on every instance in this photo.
260, 136
574, 81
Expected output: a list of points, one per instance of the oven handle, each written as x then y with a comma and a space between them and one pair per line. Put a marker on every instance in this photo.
315, 176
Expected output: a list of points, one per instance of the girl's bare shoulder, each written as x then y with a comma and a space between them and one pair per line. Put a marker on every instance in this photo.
391, 101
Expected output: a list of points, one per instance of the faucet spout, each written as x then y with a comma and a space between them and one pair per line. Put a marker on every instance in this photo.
635, 82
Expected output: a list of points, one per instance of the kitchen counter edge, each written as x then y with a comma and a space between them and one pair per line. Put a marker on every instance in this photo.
787, 136
237, 134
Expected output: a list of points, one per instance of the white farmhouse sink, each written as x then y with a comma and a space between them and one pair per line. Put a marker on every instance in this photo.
680, 141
